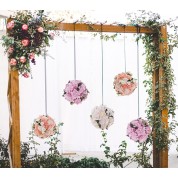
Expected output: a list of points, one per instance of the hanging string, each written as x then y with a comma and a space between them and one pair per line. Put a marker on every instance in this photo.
125, 63
138, 71
74, 53
102, 62
46, 106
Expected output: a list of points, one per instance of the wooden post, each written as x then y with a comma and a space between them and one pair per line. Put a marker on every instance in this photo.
160, 157
13, 98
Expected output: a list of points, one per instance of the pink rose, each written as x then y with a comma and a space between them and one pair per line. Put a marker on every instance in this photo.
40, 29
10, 50
32, 56
10, 25
13, 62
22, 59
26, 75
24, 27
25, 42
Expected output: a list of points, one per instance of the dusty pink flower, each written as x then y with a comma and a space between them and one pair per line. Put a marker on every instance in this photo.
32, 56
138, 130
26, 75
40, 29
13, 62
51, 36
10, 25
22, 59
44, 127
10, 50
75, 91
124, 84
24, 27
25, 42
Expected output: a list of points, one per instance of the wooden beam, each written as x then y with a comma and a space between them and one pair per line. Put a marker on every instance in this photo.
13, 98
97, 28
160, 157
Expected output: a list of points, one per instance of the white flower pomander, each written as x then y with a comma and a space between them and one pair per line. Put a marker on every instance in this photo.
102, 117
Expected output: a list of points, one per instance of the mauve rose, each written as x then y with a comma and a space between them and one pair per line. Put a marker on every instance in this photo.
32, 56
22, 59
24, 27
13, 62
25, 42
26, 75
10, 25
40, 29
10, 50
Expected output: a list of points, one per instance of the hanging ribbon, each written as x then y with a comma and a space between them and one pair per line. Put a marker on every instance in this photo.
74, 53
138, 71
45, 76
102, 79
125, 63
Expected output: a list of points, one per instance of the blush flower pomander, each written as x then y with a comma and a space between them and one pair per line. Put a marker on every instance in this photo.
102, 117
44, 127
124, 84
75, 91
138, 130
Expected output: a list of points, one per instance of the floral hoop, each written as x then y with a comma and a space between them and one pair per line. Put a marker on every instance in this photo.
102, 117
138, 130
44, 126
124, 84
75, 91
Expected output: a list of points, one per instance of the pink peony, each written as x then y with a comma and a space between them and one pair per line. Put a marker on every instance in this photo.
44, 127
32, 56
24, 27
124, 84
25, 42
75, 92
138, 130
22, 59
10, 50
26, 75
10, 25
40, 29
13, 62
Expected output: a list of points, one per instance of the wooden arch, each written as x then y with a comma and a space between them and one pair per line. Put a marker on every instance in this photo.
160, 157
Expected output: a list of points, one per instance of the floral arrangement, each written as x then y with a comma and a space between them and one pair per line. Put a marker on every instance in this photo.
102, 117
27, 35
138, 130
124, 84
75, 91
44, 127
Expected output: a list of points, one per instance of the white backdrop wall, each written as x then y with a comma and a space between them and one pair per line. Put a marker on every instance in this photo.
78, 134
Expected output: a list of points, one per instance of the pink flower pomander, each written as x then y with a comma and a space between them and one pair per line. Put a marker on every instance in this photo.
138, 130
25, 42
44, 127
10, 25
40, 29
22, 59
102, 117
10, 50
75, 92
13, 62
24, 27
26, 75
124, 84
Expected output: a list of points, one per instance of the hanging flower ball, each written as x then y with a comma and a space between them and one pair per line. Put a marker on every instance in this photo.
138, 130
102, 117
44, 127
75, 91
124, 84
